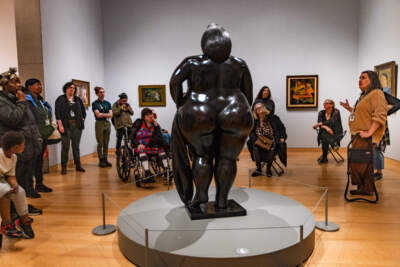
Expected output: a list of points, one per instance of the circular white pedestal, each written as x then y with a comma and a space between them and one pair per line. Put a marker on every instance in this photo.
268, 236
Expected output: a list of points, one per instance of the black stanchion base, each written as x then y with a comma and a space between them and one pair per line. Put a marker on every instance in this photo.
104, 229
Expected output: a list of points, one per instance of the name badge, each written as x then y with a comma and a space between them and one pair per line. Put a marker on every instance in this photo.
72, 113
351, 118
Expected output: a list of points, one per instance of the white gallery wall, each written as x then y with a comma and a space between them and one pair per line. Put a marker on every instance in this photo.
72, 49
8, 51
379, 41
125, 43
144, 41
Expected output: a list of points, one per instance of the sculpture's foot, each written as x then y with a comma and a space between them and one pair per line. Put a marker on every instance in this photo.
197, 204
221, 204
203, 207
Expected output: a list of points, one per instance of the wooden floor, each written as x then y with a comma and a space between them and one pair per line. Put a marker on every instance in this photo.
369, 234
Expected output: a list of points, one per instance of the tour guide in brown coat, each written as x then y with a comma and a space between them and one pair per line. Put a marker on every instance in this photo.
368, 119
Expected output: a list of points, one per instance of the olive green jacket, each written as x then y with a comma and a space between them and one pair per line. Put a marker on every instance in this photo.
122, 118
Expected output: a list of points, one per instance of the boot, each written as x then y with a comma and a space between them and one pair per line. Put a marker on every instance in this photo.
102, 164
79, 168
107, 163
323, 159
43, 188
258, 171
32, 193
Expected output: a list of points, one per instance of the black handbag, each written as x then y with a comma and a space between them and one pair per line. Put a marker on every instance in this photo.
360, 155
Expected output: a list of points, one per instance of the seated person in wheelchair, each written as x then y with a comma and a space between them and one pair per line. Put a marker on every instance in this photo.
164, 132
329, 128
267, 136
147, 140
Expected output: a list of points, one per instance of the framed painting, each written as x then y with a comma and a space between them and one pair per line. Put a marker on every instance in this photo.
302, 91
83, 91
152, 96
387, 73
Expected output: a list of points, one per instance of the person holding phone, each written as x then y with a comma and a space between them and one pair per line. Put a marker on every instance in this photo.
121, 119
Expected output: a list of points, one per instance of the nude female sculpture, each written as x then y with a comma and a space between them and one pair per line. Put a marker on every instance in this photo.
212, 121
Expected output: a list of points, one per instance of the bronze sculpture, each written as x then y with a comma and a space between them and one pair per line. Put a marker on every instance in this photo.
212, 121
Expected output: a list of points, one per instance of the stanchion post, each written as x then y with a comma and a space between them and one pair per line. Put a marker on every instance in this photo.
301, 233
104, 229
326, 208
146, 253
104, 210
168, 181
326, 225
250, 178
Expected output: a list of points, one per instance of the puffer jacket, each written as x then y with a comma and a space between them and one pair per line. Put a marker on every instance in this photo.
17, 116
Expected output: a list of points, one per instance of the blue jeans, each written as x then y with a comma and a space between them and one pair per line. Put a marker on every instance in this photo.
378, 159
167, 137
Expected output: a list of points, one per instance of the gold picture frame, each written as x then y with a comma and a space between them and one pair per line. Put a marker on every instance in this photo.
387, 73
152, 96
302, 91
83, 91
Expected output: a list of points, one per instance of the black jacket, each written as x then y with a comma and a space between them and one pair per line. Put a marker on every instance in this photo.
334, 122
156, 139
62, 108
277, 126
17, 116
393, 101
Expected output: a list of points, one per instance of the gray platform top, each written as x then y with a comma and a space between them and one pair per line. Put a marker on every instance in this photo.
272, 223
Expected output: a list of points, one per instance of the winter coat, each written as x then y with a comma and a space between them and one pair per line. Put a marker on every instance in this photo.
17, 116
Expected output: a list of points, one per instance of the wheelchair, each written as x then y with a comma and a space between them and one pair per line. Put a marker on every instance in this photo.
127, 159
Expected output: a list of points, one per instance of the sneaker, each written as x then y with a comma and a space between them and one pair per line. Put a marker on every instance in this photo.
33, 194
27, 230
43, 188
377, 176
34, 211
11, 231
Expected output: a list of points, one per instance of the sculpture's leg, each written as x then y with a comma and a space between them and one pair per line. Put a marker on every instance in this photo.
235, 123
202, 175
198, 129
225, 166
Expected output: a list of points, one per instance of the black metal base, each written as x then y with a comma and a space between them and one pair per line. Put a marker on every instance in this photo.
233, 209
104, 229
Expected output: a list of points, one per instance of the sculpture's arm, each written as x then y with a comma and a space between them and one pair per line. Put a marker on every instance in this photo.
181, 73
247, 85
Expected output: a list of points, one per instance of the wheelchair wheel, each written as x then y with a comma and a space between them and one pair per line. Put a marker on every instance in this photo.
123, 163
